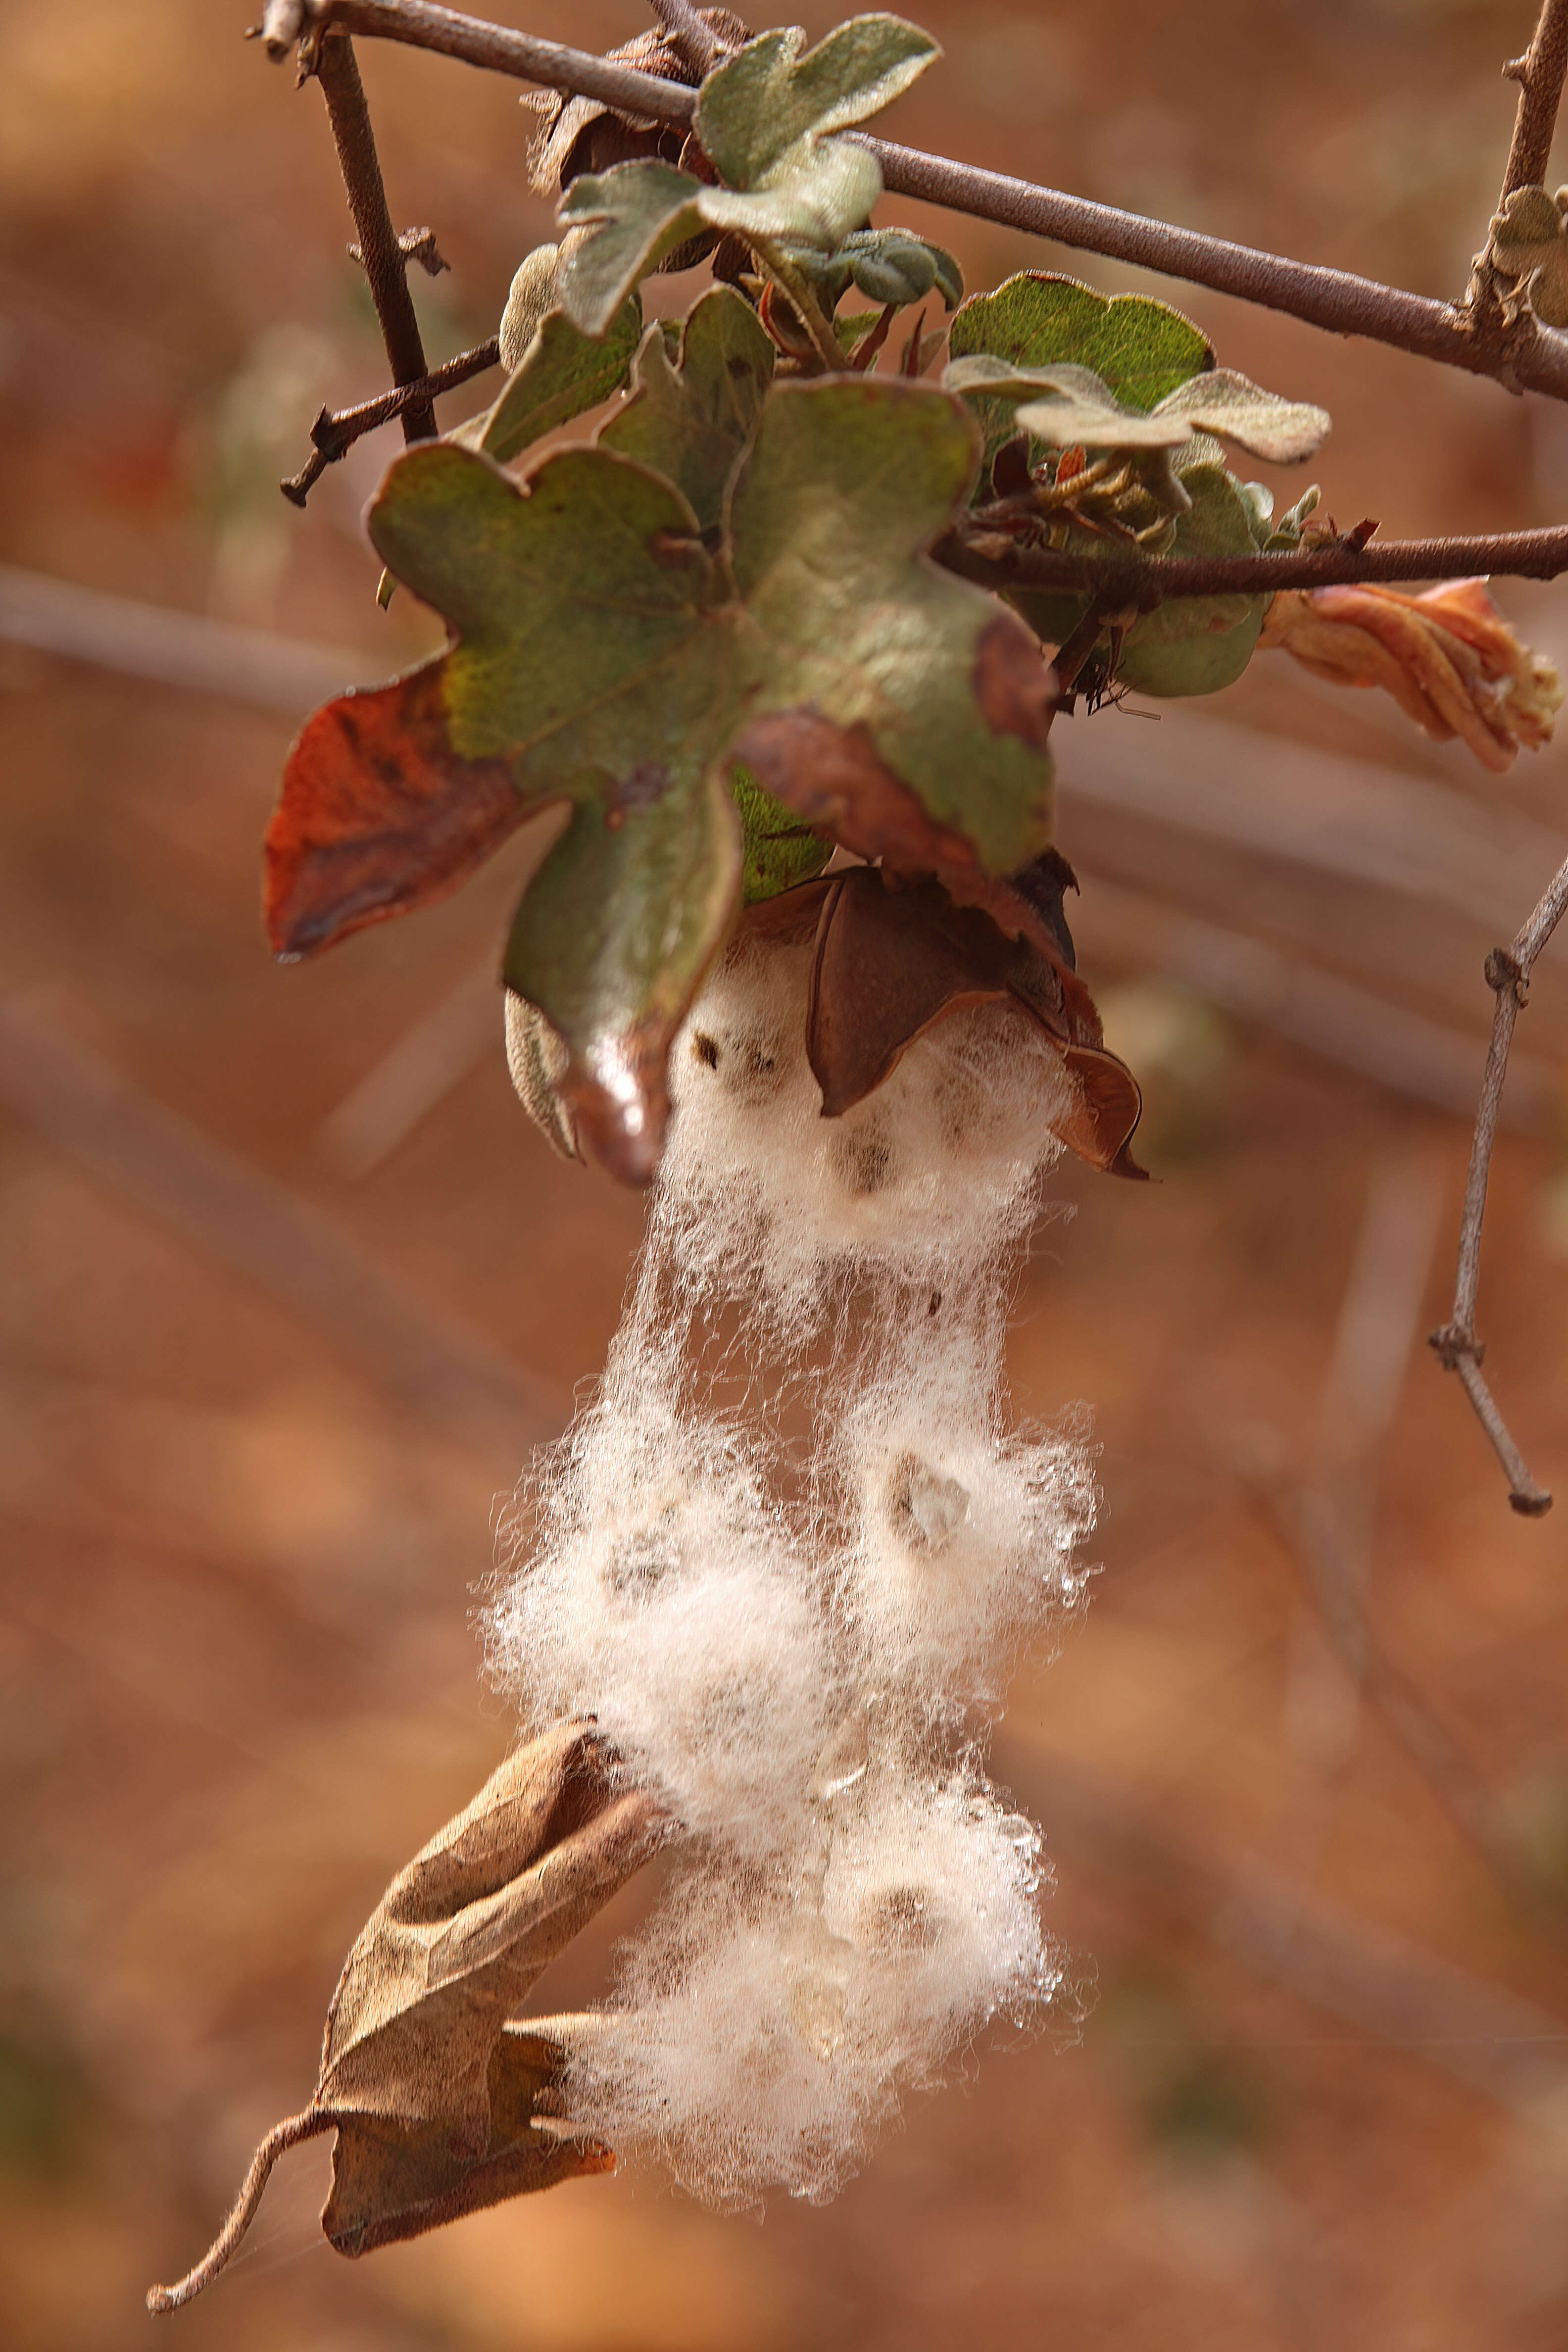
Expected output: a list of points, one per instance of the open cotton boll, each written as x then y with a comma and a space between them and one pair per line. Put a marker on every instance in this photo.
965, 1543
781, 1559
923, 1182
764, 2036
675, 1610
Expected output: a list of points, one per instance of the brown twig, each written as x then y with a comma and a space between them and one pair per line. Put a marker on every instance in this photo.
1335, 299
336, 430
1540, 74
1508, 974
381, 251
279, 2140
1133, 578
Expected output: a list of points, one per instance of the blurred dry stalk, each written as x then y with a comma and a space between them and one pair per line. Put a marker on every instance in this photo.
1505, 342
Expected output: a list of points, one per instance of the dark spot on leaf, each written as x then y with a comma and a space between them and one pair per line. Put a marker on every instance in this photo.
1012, 683
644, 787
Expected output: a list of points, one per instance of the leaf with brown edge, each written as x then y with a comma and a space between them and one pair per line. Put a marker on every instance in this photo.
438, 2109
607, 653
377, 815
894, 958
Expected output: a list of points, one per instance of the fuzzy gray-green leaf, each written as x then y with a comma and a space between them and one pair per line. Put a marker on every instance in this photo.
692, 421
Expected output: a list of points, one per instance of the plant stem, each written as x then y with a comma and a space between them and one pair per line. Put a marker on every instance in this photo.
1535, 358
1129, 579
381, 249
803, 302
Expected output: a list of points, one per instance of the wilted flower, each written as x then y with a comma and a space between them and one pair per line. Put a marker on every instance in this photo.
1448, 657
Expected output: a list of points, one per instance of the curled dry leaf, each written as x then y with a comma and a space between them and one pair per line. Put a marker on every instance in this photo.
439, 2108
1449, 658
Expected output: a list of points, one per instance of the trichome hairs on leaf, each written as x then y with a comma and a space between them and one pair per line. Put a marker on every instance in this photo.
785, 1558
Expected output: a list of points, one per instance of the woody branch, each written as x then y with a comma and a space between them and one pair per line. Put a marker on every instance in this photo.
1335, 299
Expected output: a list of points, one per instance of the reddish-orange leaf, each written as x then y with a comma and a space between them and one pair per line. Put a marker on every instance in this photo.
378, 815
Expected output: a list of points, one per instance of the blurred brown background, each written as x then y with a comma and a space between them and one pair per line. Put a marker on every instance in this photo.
290, 1285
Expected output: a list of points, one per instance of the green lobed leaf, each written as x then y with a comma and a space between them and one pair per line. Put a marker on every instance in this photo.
1196, 644
762, 117
692, 420
1139, 349
1082, 409
637, 212
562, 373
938, 704
606, 657
767, 101
634, 213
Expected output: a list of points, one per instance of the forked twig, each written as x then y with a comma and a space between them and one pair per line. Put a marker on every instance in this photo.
336, 430
1508, 974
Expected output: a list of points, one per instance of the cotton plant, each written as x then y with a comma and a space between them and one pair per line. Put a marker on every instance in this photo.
798, 961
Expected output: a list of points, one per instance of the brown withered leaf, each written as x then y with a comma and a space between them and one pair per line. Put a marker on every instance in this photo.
378, 815
895, 956
578, 135
439, 2108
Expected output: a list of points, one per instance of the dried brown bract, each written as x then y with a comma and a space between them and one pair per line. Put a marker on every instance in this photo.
439, 2107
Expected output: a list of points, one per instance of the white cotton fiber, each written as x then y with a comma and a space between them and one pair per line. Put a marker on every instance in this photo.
784, 1557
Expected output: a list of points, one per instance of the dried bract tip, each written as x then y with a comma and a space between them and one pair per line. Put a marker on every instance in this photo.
441, 2107
1449, 658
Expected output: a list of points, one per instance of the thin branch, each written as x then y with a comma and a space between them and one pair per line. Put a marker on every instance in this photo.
381, 249
1540, 74
1145, 579
1508, 974
336, 430
1536, 359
